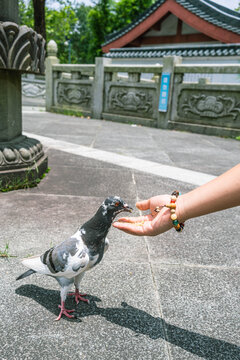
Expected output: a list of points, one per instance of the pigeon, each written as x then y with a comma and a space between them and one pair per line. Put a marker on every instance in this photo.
68, 261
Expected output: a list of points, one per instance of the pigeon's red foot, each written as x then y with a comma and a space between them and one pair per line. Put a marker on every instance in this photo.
64, 311
79, 297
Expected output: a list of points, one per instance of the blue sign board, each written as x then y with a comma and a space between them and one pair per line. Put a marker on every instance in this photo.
164, 90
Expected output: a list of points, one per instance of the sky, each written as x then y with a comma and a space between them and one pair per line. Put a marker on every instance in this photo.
231, 4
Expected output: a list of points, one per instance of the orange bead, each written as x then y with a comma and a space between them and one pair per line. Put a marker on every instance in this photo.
171, 206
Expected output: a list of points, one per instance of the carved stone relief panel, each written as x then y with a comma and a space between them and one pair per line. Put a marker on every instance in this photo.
213, 107
33, 89
133, 101
74, 94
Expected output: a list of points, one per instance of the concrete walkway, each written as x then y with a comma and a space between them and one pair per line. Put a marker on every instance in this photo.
174, 296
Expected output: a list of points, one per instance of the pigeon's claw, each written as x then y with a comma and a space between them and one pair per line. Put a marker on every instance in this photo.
64, 311
79, 297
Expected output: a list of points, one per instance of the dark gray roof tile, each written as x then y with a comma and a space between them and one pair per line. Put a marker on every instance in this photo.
180, 50
205, 9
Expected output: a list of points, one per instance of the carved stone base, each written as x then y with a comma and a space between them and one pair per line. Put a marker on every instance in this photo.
20, 157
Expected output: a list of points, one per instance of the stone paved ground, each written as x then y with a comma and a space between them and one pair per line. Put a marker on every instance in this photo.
174, 296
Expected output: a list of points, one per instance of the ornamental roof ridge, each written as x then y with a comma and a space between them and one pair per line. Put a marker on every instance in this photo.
179, 50
206, 9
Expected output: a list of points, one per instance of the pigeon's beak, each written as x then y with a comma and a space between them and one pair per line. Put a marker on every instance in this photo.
127, 208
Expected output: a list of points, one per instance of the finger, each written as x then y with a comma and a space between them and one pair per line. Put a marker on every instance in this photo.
135, 219
136, 229
143, 205
129, 228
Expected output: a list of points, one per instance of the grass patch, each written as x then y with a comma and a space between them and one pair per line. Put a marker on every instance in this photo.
69, 112
238, 138
5, 253
28, 181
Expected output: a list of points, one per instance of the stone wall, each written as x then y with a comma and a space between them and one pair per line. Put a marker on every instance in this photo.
98, 91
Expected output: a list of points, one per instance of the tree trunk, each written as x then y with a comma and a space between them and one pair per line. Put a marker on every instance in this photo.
39, 17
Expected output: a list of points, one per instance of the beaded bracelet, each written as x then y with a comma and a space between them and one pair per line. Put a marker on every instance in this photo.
172, 206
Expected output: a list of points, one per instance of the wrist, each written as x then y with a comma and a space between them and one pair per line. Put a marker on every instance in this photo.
177, 224
181, 209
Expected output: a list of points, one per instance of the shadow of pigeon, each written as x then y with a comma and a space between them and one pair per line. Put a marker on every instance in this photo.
42, 296
138, 321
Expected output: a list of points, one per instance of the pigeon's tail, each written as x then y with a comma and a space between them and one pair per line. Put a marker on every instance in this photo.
25, 274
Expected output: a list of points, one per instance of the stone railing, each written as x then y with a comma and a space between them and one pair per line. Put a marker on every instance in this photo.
131, 99
33, 90
100, 92
73, 87
206, 107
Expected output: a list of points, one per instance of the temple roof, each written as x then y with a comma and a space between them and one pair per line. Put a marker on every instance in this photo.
217, 50
209, 11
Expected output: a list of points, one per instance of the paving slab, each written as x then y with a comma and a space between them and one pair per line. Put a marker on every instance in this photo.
116, 325
201, 309
85, 181
170, 297
177, 148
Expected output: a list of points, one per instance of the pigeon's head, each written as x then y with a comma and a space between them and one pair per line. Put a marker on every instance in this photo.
114, 205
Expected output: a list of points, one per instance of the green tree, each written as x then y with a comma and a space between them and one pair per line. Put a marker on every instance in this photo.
85, 26
81, 37
60, 25
127, 11
100, 24
26, 13
108, 16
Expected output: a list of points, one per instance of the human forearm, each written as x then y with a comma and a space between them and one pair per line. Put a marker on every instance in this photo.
221, 193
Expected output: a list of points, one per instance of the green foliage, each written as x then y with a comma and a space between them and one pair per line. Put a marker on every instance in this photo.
60, 25
5, 253
128, 10
28, 181
26, 13
67, 111
81, 38
100, 24
85, 26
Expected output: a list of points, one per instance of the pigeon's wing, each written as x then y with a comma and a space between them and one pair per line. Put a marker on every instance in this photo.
67, 259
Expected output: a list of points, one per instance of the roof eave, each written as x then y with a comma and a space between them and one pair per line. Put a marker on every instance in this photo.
209, 29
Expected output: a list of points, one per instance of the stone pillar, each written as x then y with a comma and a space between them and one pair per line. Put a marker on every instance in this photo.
168, 66
98, 87
50, 60
9, 11
21, 50
10, 105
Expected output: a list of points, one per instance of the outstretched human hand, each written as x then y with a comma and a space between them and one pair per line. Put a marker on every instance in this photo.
221, 193
152, 224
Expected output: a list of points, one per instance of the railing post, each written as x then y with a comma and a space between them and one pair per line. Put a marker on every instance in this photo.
169, 63
50, 60
134, 77
98, 87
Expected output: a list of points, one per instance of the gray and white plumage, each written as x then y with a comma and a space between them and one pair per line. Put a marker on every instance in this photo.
68, 261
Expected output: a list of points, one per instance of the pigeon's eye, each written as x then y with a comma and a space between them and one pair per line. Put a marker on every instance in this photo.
117, 203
